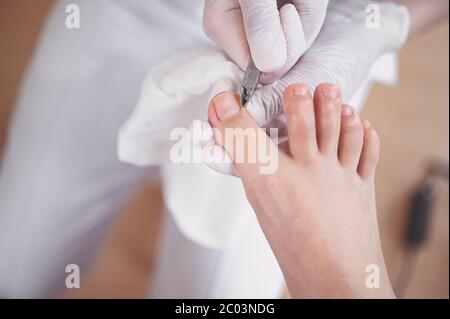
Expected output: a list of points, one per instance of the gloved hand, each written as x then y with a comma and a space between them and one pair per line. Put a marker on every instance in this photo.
343, 54
275, 38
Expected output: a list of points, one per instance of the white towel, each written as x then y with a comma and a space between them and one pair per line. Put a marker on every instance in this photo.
208, 207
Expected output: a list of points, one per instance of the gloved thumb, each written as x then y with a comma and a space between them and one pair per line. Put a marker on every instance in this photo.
265, 105
252, 151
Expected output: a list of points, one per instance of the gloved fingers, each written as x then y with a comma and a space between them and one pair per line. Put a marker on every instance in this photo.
302, 21
223, 23
265, 104
265, 34
312, 14
295, 42
342, 53
235, 44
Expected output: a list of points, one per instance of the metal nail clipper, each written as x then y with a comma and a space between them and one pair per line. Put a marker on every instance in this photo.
250, 82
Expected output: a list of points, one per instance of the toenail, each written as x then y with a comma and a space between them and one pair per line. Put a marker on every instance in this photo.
300, 91
347, 110
366, 123
226, 107
331, 92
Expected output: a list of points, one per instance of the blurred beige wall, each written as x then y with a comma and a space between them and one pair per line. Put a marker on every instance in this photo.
20, 23
412, 120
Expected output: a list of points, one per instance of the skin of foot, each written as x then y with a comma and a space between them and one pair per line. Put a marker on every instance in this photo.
317, 209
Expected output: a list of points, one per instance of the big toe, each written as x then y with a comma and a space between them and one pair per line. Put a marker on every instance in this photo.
236, 131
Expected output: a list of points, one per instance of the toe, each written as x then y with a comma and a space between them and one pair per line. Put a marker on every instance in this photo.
327, 102
299, 110
370, 152
251, 150
350, 138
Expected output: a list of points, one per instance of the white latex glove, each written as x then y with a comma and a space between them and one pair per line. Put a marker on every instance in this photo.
343, 53
275, 38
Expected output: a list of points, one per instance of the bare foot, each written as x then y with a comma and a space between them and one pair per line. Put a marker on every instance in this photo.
317, 209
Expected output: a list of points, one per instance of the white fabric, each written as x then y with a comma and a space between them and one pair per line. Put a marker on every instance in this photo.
61, 184
208, 207
347, 52
247, 269
177, 92
174, 94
